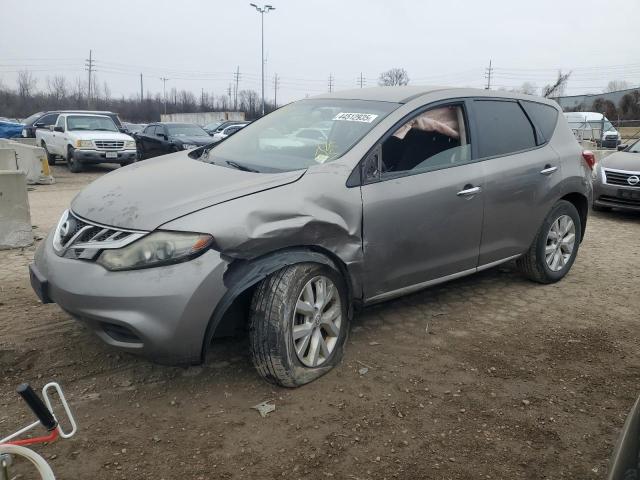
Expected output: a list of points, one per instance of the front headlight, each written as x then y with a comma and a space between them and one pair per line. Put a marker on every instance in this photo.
130, 144
188, 146
158, 248
84, 144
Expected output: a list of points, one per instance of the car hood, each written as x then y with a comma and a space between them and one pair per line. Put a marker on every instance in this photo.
98, 135
622, 161
147, 194
192, 140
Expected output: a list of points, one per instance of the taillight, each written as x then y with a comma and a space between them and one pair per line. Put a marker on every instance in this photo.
589, 158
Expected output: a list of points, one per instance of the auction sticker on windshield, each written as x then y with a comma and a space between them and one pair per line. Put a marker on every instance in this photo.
356, 117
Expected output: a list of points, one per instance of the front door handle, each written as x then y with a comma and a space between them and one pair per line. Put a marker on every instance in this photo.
469, 191
548, 170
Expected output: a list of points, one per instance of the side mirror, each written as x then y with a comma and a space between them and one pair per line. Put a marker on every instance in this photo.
58, 129
622, 146
51, 128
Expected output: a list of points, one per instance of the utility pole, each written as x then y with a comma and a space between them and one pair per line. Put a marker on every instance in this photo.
262, 11
331, 81
275, 90
236, 77
229, 93
361, 80
89, 67
141, 90
164, 92
487, 75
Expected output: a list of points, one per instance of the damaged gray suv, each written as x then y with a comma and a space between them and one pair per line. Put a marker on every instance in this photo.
324, 205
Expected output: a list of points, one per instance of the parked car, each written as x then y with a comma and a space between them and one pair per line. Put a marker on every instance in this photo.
616, 180
226, 123
211, 128
589, 126
47, 119
86, 139
162, 138
414, 187
227, 131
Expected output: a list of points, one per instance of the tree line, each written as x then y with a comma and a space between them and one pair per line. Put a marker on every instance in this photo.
58, 93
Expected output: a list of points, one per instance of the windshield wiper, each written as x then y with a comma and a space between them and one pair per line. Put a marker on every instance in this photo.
241, 167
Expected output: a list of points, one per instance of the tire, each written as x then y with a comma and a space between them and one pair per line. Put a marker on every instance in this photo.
534, 264
74, 165
279, 358
51, 159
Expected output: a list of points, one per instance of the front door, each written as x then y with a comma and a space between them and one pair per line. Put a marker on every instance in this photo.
423, 206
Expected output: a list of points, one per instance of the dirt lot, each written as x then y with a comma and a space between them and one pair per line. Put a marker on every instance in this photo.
490, 376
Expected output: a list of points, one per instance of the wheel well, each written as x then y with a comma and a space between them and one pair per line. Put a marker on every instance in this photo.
233, 317
582, 205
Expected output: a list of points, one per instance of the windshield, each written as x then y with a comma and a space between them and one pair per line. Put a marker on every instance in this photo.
635, 148
32, 118
301, 134
186, 130
87, 122
212, 126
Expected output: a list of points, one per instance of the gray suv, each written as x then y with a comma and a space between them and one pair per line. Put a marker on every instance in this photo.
407, 187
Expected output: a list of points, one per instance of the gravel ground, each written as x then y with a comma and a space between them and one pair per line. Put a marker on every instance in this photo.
490, 376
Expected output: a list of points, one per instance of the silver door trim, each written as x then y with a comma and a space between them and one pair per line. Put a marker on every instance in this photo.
419, 286
548, 171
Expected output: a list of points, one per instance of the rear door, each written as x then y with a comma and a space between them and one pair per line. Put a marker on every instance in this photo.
146, 140
519, 169
422, 203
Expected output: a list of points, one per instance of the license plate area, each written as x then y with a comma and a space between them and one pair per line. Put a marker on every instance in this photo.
39, 284
111, 154
629, 194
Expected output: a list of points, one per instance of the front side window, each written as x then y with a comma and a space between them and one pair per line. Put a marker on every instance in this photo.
93, 123
271, 144
186, 130
432, 140
60, 122
503, 128
47, 120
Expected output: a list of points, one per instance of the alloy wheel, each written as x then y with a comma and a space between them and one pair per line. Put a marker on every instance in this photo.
560, 243
316, 321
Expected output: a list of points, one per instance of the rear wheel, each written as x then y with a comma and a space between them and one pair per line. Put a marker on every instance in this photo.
555, 246
299, 324
51, 159
74, 165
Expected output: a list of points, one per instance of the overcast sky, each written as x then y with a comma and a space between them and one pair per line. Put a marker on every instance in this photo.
199, 43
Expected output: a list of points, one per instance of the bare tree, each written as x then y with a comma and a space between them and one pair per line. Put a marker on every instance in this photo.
79, 90
528, 88
57, 87
26, 84
393, 76
106, 92
615, 85
557, 88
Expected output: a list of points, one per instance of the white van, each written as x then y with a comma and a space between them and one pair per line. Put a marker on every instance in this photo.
589, 126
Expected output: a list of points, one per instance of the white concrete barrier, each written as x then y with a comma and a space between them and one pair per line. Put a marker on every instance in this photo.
25, 141
8, 160
15, 219
32, 161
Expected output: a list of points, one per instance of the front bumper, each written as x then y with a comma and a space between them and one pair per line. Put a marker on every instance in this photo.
161, 313
616, 196
98, 156
611, 142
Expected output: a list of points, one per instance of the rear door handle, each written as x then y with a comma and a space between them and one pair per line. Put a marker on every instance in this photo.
548, 170
469, 191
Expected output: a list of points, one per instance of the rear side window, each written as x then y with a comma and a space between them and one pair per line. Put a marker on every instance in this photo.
544, 117
503, 128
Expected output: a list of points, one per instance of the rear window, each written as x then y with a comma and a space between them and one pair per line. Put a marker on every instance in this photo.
544, 117
503, 128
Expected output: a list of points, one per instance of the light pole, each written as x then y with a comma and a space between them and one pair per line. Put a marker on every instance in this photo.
262, 11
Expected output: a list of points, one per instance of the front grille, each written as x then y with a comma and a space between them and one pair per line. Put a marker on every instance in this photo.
613, 177
621, 201
611, 137
80, 239
109, 144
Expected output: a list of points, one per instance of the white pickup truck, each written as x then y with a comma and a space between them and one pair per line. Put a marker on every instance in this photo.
83, 138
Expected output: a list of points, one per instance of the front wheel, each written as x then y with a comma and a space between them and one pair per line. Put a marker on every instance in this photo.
555, 246
299, 324
74, 165
51, 159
